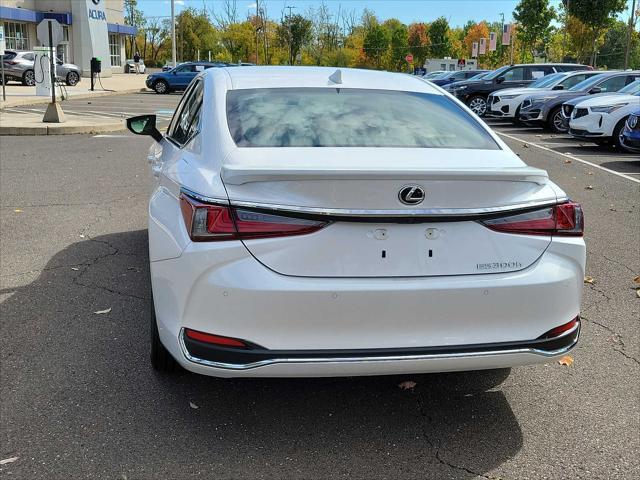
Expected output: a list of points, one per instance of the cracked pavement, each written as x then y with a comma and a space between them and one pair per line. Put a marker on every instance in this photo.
79, 398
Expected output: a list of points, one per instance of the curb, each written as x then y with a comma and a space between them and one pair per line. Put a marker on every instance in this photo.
80, 96
62, 129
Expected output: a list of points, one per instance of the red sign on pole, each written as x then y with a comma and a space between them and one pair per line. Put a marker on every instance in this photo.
409, 58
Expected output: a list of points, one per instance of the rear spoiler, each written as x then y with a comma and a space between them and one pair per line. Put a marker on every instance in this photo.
239, 175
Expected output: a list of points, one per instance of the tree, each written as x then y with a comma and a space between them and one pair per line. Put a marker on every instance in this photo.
611, 54
376, 43
534, 24
596, 15
398, 43
238, 39
474, 34
295, 31
134, 17
439, 36
418, 39
326, 34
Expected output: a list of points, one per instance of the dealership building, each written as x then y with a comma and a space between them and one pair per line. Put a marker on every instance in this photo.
91, 28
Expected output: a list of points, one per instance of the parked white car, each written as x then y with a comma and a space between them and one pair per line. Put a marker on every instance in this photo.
304, 222
601, 118
130, 66
506, 103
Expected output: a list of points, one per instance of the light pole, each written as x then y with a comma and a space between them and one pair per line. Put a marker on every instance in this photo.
173, 33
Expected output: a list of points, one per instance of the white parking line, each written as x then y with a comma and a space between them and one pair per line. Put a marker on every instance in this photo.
572, 157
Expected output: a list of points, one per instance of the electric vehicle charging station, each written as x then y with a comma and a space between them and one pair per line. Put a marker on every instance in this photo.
42, 71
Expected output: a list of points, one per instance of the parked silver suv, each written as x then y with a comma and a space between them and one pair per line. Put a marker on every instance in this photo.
18, 66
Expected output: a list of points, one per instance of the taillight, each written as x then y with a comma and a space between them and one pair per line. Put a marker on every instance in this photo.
556, 332
565, 219
214, 339
206, 222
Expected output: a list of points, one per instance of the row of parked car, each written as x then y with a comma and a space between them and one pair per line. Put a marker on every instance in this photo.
598, 106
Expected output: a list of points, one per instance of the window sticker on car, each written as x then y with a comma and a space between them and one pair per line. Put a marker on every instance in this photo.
199, 68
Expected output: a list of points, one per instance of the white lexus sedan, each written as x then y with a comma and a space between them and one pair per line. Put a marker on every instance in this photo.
322, 222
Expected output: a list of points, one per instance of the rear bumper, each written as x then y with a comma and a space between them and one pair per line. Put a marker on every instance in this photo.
429, 324
456, 357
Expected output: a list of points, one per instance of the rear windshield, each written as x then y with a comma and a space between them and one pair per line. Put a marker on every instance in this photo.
335, 117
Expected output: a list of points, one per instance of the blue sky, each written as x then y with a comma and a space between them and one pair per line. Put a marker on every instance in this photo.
458, 12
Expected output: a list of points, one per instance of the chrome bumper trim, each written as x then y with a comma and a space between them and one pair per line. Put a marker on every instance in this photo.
435, 356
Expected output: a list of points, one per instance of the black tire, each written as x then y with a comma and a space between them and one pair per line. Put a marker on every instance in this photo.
161, 359
29, 78
616, 139
516, 118
478, 104
555, 122
72, 79
161, 87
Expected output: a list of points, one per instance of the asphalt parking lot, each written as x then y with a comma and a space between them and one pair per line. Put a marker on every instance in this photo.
79, 398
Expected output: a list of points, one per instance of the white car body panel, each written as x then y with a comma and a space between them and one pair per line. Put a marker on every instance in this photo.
602, 124
517, 95
332, 289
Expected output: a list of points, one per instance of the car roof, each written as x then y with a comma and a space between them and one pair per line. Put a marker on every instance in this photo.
549, 64
284, 76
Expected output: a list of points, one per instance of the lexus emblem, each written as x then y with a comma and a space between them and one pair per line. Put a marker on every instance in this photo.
411, 194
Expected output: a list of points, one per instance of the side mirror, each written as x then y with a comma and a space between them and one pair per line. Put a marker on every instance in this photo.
595, 90
144, 125
558, 87
499, 80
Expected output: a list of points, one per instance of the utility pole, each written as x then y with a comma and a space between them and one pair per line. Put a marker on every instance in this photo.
173, 33
257, 30
290, 35
630, 29
501, 33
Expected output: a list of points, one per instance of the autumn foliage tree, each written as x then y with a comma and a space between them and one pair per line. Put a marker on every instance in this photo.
418, 39
474, 34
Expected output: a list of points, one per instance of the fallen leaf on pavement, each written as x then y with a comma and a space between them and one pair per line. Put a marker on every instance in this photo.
589, 280
407, 385
17, 210
75, 268
193, 405
589, 187
567, 160
637, 279
102, 312
638, 292
525, 145
567, 360
8, 460
589, 173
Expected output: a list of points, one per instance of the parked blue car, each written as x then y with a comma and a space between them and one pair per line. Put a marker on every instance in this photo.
630, 136
178, 78
457, 76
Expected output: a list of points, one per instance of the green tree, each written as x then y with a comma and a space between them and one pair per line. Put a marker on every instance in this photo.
398, 44
439, 37
376, 43
611, 54
295, 32
195, 34
239, 40
596, 15
534, 24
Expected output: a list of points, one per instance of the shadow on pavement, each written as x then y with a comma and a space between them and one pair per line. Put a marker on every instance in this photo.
80, 398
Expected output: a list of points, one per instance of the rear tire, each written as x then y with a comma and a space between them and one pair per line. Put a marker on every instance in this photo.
555, 122
161, 87
478, 104
29, 78
161, 359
